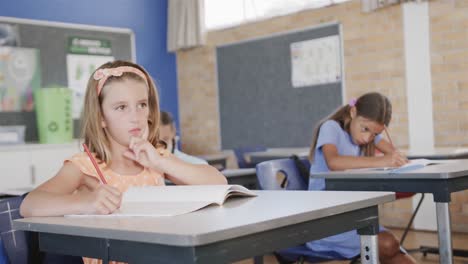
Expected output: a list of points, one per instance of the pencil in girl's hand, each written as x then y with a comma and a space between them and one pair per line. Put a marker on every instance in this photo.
99, 172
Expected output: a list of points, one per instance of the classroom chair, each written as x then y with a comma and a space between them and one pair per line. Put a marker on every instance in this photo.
281, 174
284, 174
218, 163
240, 151
19, 247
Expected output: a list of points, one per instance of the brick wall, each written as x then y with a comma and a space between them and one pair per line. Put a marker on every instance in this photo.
374, 61
449, 71
449, 58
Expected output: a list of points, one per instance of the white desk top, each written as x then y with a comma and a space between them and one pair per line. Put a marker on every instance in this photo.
274, 152
238, 172
210, 157
238, 217
439, 153
445, 169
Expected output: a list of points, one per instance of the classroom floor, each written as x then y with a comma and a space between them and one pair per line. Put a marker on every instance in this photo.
413, 240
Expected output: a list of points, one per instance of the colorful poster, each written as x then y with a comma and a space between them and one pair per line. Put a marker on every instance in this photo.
316, 61
84, 56
20, 76
79, 69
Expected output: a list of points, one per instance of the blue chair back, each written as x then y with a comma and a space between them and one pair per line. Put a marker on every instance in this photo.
240, 151
19, 247
14, 243
270, 175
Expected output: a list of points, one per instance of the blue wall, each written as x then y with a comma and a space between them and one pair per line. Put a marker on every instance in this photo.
147, 19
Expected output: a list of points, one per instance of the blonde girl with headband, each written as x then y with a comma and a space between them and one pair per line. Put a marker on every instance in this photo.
348, 139
121, 129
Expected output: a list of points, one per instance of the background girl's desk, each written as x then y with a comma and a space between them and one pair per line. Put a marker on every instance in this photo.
219, 161
440, 180
275, 153
240, 229
439, 154
246, 177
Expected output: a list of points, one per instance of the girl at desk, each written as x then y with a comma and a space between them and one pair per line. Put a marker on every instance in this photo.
348, 139
121, 128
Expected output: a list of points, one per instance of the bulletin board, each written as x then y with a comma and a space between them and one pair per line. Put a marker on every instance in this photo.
274, 90
53, 43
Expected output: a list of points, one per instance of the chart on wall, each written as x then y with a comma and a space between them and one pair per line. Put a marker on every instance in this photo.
84, 57
20, 76
316, 61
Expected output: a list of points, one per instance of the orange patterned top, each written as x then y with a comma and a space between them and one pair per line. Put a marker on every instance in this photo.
146, 177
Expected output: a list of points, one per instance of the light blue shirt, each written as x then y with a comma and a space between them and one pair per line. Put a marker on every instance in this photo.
332, 133
346, 244
189, 159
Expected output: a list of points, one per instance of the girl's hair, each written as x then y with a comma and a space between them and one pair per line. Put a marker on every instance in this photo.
166, 118
373, 106
92, 131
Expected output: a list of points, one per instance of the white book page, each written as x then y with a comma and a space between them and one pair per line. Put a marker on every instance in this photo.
185, 193
193, 193
411, 165
173, 200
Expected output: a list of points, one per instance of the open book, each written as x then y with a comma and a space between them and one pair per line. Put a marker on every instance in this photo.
411, 165
173, 200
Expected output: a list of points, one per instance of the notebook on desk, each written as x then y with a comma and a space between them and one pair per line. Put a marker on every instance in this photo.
157, 201
411, 165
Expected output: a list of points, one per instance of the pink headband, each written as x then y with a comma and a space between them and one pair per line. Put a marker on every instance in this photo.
102, 75
352, 102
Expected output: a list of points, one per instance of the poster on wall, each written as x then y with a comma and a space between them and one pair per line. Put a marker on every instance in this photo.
83, 58
316, 61
20, 76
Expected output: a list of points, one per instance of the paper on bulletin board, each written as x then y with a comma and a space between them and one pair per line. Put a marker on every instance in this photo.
20, 76
79, 69
316, 61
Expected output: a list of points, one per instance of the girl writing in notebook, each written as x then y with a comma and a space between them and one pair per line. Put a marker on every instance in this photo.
121, 129
348, 139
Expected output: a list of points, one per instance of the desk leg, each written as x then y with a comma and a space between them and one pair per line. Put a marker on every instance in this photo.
444, 231
369, 249
258, 260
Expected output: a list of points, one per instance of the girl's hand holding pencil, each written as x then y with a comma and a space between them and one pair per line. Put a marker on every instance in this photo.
103, 199
396, 159
98, 198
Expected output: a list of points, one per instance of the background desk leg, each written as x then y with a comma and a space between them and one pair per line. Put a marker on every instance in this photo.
258, 260
444, 231
369, 249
